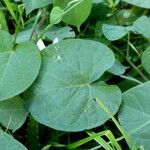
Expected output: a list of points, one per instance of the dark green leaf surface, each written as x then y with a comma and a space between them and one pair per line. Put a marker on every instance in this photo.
63, 95
75, 16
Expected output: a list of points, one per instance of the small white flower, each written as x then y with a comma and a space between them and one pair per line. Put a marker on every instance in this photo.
56, 40
40, 44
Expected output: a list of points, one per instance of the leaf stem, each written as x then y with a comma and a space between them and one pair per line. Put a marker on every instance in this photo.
114, 120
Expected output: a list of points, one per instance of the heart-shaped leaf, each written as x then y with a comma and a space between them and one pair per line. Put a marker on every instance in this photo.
75, 15
12, 113
7, 142
142, 26
63, 96
113, 32
19, 67
135, 114
139, 3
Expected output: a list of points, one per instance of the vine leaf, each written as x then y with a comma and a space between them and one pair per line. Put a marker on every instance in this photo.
75, 15
19, 67
13, 117
8, 142
134, 115
63, 95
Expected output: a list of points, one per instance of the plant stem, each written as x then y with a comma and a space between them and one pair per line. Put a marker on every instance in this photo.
128, 46
35, 23
114, 120
130, 62
9, 7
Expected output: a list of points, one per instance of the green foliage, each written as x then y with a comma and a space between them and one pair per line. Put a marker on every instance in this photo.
145, 60
113, 33
30, 5
139, 3
56, 15
7, 142
13, 117
135, 114
74, 74
66, 83
73, 9
19, 66
141, 26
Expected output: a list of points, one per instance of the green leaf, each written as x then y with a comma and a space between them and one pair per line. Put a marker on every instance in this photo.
19, 66
30, 5
60, 32
3, 22
63, 95
117, 68
142, 26
113, 32
13, 117
139, 3
7, 142
146, 60
56, 15
134, 115
74, 14
24, 35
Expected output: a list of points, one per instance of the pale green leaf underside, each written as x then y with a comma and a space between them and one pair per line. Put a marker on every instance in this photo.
135, 114
7, 142
12, 113
113, 32
63, 95
139, 3
142, 26
117, 68
18, 67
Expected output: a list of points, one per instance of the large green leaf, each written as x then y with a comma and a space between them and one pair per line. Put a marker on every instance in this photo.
139, 3
30, 5
12, 113
63, 95
19, 66
146, 60
7, 142
78, 13
142, 26
135, 114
